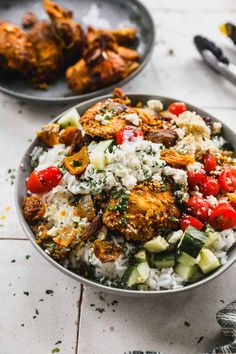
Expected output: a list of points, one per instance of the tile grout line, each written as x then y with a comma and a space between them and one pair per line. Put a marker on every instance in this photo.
79, 318
13, 239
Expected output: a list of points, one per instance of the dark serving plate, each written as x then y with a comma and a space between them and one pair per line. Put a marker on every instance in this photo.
25, 169
98, 13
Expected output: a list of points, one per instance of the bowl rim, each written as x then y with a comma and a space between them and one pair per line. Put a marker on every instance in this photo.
86, 96
119, 291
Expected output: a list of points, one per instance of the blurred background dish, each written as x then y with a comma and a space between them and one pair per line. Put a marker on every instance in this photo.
103, 14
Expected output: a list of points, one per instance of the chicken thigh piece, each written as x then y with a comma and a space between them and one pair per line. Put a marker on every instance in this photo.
16, 51
48, 53
68, 31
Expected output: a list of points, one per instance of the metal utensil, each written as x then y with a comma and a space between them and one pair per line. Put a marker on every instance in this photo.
215, 58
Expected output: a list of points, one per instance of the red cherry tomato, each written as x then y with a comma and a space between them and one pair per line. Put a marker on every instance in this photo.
195, 178
227, 180
209, 186
223, 217
209, 163
198, 207
129, 133
190, 220
177, 108
45, 180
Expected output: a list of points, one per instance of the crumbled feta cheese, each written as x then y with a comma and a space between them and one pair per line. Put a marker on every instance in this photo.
127, 164
155, 105
217, 126
212, 201
179, 176
196, 166
133, 118
180, 132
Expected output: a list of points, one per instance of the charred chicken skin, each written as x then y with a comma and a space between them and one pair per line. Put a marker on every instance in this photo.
16, 51
147, 209
48, 54
117, 114
69, 32
104, 63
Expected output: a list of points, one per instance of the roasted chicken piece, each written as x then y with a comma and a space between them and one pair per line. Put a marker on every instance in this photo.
116, 116
103, 63
116, 122
48, 54
76, 164
29, 20
49, 134
16, 51
106, 251
69, 32
167, 137
119, 96
140, 214
67, 135
88, 75
33, 209
125, 35
175, 159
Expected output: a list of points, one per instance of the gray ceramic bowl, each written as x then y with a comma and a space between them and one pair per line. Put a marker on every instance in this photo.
25, 169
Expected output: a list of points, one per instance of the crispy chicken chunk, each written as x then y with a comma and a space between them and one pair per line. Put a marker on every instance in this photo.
76, 164
49, 134
69, 32
16, 51
115, 115
106, 251
146, 210
88, 75
33, 209
48, 53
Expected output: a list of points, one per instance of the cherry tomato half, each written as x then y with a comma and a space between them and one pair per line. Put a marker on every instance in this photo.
129, 133
209, 186
45, 180
209, 163
227, 180
177, 108
198, 207
223, 217
195, 178
190, 220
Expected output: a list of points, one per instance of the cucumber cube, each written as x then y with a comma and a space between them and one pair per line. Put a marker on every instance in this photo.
141, 256
185, 272
97, 157
187, 260
208, 262
70, 118
156, 245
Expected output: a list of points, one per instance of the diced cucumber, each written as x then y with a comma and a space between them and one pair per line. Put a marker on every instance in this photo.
187, 260
131, 277
192, 241
143, 270
70, 118
136, 274
141, 256
97, 157
156, 245
184, 271
208, 262
142, 287
212, 236
164, 260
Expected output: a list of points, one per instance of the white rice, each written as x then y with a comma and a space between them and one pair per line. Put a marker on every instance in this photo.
164, 279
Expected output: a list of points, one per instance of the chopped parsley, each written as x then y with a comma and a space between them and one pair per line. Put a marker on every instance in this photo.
55, 350
76, 163
26, 293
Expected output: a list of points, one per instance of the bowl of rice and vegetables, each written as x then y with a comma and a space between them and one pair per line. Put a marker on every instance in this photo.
132, 194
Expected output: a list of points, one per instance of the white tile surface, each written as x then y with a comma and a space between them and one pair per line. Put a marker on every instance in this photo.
132, 324
155, 324
57, 314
